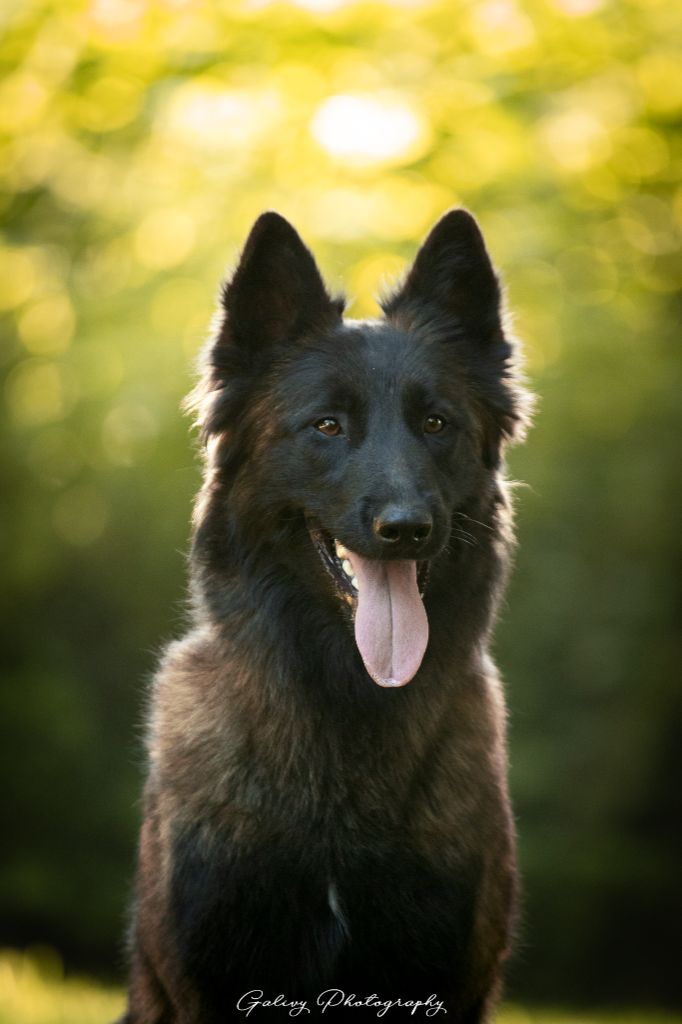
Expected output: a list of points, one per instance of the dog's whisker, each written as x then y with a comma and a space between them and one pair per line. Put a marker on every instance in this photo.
465, 515
465, 538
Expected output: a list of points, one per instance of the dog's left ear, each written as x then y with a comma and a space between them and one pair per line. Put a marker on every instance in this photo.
276, 292
453, 281
453, 274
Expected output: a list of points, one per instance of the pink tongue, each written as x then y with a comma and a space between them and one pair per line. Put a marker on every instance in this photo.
391, 628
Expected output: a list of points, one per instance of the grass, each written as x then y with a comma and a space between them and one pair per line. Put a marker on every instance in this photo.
33, 990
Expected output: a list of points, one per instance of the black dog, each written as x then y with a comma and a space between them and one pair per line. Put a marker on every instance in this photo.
310, 835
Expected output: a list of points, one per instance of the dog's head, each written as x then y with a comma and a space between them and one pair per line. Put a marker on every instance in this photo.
355, 448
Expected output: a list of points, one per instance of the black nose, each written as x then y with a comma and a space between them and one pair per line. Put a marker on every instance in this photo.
400, 526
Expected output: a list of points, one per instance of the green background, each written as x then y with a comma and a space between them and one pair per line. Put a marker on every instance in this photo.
139, 140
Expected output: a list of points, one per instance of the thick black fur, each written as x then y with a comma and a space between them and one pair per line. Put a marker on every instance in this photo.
306, 829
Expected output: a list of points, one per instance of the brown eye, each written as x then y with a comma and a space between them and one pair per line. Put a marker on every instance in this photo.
329, 427
433, 424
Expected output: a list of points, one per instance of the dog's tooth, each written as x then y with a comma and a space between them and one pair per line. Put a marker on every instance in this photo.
347, 567
354, 582
341, 551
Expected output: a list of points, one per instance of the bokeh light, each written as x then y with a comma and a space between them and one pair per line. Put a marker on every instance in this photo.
366, 130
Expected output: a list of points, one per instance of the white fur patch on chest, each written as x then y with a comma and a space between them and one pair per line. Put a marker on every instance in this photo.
335, 907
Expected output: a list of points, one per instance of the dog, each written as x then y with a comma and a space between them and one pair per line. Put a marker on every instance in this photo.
327, 828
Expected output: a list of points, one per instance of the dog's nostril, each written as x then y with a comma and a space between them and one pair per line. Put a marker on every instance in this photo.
396, 525
389, 532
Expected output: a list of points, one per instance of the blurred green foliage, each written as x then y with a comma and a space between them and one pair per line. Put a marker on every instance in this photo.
139, 139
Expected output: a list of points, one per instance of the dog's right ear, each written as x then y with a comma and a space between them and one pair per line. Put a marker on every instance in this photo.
276, 292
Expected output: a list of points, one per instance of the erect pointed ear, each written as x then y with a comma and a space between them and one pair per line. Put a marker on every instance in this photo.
453, 273
276, 292
452, 281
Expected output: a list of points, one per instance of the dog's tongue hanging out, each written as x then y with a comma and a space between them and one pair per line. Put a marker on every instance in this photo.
391, 628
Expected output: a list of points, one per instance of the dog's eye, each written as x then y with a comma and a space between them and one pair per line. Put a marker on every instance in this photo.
433, 424
329, 427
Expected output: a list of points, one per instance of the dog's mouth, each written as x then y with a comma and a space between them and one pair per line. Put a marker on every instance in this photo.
385, 601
